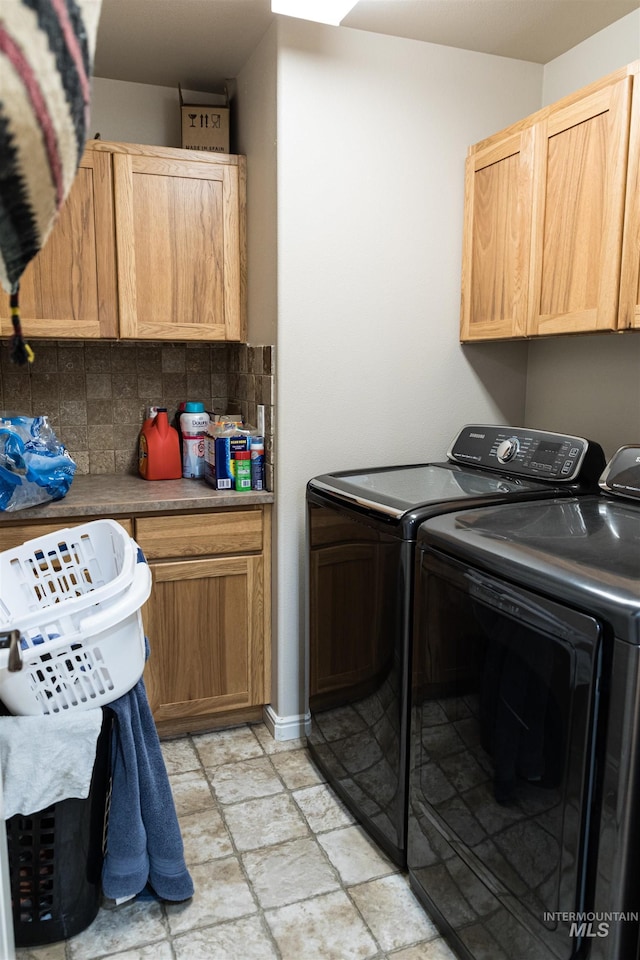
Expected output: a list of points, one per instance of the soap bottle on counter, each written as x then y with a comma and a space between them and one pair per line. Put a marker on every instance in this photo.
194, 421
159, 449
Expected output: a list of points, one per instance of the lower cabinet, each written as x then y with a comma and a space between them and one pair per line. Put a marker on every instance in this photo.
208, 619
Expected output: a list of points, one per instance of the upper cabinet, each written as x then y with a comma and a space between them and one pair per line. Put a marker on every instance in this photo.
69, 289
552, 213
180, 241
150, 245
497, 238
579, 172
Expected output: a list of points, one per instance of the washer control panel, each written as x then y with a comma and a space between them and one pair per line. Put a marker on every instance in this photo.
520, 452
622, 473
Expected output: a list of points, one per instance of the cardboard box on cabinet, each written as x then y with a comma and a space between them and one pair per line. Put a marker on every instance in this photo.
205, 121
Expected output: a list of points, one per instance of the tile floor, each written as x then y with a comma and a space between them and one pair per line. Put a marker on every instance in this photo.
281, 870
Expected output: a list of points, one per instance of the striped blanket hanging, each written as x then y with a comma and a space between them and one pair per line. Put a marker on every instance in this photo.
46, 56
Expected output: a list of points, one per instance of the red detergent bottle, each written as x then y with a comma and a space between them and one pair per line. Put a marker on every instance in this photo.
159, 449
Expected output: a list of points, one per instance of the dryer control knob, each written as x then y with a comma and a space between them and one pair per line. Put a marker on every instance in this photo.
508, 449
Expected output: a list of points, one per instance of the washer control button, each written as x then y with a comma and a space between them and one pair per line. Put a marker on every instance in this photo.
508, 449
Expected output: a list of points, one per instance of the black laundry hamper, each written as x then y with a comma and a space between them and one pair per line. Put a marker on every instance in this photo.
55, 858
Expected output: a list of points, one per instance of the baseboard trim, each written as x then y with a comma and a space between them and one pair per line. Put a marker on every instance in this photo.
286, 728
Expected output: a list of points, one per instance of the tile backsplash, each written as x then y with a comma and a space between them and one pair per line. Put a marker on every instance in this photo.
96, 393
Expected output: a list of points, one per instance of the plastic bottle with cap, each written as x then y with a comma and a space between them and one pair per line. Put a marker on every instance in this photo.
158, 448
257, 462
194, 421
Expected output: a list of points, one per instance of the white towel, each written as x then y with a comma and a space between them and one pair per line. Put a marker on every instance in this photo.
47, 759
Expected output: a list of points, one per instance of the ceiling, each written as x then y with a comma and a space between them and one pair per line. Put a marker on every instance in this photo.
200, 43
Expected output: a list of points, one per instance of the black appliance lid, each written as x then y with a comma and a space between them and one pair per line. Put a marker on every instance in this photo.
583, 550
396, 491
483, 461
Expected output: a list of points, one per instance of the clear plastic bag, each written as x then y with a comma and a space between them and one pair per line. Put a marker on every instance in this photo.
34, 466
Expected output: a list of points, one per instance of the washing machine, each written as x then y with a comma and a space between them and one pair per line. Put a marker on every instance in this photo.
361, 535
524, 834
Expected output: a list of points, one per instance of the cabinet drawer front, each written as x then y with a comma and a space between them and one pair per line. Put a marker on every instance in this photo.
199, 535
11, 537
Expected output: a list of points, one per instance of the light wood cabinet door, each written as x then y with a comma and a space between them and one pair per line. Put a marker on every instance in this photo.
497, 232
205, 624
180, 242
69, 289
629, 310
580, 171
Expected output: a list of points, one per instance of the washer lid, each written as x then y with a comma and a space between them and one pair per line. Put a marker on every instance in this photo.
398, 490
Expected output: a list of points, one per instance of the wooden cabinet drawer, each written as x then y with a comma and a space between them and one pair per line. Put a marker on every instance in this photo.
11, 536
199, 535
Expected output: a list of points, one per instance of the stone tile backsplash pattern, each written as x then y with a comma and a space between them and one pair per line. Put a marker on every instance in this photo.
97, 393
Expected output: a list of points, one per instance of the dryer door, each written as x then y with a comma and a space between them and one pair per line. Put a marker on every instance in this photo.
504, 693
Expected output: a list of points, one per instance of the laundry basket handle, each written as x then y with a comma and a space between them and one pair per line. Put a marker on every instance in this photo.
133, 599
11, 640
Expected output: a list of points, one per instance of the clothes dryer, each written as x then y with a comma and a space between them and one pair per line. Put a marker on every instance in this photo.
524, 835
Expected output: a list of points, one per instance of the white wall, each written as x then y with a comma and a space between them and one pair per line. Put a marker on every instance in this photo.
135, 112
372, 135
255, 112
588, 385
603, 53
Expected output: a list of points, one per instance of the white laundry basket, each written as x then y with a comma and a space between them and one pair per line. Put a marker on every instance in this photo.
75, 598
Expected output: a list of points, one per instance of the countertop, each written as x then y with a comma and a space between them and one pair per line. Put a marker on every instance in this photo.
117, 495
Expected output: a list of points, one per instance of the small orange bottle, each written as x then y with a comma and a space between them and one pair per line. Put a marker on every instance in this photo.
159, 449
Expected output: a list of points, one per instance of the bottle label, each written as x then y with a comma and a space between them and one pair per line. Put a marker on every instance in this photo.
193, 424
192, 457
143, 455
243, 475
